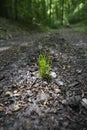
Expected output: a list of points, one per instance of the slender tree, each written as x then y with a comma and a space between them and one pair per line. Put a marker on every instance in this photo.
50, 10
62, 11
16, 9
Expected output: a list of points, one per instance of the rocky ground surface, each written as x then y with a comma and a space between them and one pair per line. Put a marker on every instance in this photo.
27, 102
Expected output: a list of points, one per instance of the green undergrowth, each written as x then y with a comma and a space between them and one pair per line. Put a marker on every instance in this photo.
11, 28
80, 27
44, 62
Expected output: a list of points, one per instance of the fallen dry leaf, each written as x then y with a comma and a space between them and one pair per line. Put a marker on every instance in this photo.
45, 103
2, 108
16, 108
8, 93
68, 66
78, 71
57, 91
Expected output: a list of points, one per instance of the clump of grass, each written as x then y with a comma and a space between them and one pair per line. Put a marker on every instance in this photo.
44, 62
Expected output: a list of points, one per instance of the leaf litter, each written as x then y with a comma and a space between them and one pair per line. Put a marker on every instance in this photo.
29, 102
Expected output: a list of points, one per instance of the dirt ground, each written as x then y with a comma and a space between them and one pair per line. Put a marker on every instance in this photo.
27, 102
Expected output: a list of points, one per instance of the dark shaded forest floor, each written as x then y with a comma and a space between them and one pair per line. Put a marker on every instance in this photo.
27, 102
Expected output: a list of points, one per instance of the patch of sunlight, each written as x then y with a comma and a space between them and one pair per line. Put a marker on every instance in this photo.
65, 21
79, 7
48, 12
4, 48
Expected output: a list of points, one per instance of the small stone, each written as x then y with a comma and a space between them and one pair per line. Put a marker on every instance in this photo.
57, 91
30, 100
53, 74
84, 102
15, 91
78, 71
68, 66
64, 102
58, 82
45, 84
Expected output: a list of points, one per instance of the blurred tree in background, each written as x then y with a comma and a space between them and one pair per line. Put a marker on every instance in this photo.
47, 12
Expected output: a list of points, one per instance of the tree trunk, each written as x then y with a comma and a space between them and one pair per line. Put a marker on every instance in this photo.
62, 11
15, 9
50, 11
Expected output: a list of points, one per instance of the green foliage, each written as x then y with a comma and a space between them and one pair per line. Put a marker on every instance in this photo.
44, 62
80, 28
52, 13
78, 14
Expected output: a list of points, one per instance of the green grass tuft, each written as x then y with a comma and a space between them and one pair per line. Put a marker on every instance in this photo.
44, 62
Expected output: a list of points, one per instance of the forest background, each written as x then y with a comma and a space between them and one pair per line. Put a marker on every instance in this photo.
51, 13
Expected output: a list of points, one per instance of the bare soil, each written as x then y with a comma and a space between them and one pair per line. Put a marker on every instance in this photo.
29, 103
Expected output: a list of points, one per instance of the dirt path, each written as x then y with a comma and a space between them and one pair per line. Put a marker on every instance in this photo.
26, 102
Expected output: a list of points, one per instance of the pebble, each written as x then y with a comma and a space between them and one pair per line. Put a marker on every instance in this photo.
45, 83
64, 102
58, 82
53, 74
79, 71
84, 102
